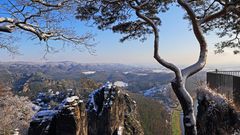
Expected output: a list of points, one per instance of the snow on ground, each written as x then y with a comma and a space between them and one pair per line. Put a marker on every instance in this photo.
71, 99
141, 74
106, 89
126, 73
91, 101
151, 92
120, 130
89, 72
161, 71
161, 94
120, 84
70, 102
107, 85
157, 71
35, 107
44, 114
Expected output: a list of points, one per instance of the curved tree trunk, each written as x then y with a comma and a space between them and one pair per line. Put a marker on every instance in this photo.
187, 107
178, 84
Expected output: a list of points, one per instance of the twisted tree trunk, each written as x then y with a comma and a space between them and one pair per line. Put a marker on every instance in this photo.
178, 84
187, 107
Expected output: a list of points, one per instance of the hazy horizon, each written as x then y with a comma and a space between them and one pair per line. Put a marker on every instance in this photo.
177, 45
145, 65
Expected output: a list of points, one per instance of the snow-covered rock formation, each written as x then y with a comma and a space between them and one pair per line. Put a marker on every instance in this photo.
112, 112
216, 115
109, 111
69, 118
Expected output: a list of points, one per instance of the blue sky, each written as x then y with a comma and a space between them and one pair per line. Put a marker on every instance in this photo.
177, 44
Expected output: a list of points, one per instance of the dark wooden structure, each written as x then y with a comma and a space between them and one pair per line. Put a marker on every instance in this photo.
225, 82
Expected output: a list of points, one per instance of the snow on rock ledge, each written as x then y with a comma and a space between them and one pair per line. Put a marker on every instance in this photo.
113, 111
103, 97
109, 111
216, 115
68, 118
44, 115
70, 103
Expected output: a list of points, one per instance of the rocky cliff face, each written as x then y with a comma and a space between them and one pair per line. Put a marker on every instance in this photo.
69, 118
216, 115
112, 112
109, 111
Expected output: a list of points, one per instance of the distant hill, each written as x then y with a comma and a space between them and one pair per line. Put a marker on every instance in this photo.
137, 78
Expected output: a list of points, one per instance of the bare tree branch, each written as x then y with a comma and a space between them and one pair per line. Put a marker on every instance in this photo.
7, 28
47, 4
43, 19
6, 43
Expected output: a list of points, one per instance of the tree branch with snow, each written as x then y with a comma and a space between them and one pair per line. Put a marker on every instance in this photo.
42, 19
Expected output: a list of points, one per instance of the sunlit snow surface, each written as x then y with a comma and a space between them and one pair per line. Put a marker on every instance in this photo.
151, 92
67, 103
106, 89
161, 71
120, 130
89, 72
120, 84
71, 99
44, 114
